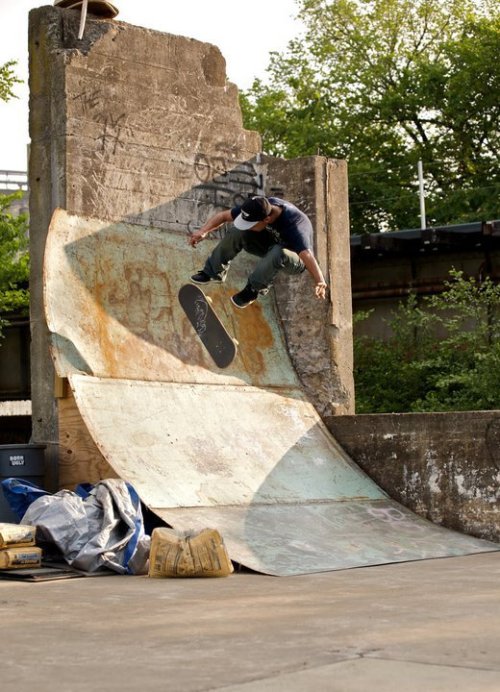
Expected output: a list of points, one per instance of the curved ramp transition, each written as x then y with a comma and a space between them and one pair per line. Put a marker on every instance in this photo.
241, 450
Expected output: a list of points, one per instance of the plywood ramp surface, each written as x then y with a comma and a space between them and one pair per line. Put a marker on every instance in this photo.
241, 450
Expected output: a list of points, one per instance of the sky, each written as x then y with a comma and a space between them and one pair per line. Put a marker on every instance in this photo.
268, 26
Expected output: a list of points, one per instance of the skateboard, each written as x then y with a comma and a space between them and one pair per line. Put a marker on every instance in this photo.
221, 346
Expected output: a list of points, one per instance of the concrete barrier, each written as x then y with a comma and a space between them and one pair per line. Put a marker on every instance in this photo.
443, 466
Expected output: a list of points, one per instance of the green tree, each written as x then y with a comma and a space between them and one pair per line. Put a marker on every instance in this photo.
7, 80
443, 355
384, 83
14, 260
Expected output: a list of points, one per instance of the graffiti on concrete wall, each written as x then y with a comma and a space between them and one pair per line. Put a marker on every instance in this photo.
113, 131
152, 173
222, 185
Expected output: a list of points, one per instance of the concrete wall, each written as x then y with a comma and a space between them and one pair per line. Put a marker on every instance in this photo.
126, 124
132, 124
319, 334
444, 466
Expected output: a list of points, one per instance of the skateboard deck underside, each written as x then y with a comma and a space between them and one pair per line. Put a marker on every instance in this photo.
207, 325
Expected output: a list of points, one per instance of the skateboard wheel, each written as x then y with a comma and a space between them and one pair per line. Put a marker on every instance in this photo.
209, 300
236, 342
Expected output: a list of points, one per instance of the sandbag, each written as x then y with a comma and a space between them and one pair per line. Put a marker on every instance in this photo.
15, 536
19, 558
189, 554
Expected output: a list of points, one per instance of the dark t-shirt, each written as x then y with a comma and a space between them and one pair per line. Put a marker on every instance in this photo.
292, 228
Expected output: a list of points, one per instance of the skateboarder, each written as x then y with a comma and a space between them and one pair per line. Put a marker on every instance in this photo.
269, 227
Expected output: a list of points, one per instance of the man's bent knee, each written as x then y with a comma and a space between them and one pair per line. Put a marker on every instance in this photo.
290, 262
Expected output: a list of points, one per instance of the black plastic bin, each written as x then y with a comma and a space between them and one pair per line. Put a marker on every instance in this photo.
25, 462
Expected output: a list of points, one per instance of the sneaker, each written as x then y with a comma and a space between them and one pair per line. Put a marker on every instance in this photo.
203, 278
245, 297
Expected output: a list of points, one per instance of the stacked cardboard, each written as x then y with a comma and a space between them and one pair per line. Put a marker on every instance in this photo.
17, 547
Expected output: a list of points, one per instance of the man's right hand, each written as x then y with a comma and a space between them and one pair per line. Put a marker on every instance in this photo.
212, 224
195, 238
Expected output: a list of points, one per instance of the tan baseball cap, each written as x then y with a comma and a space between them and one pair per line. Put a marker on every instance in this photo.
102, 8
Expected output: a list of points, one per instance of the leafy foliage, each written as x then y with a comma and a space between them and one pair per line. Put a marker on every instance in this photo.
443, 356
14, 260
384, 83
7, 80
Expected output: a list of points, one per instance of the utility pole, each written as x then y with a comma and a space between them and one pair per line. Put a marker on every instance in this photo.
423, 222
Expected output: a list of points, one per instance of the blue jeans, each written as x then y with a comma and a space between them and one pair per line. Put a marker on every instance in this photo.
274, 257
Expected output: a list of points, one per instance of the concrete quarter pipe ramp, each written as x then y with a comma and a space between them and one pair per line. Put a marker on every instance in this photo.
241, 450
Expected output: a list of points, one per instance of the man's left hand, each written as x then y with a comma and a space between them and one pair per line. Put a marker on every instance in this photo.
320, 290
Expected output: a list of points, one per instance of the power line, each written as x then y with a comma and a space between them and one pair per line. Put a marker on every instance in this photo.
409, 193
394, 169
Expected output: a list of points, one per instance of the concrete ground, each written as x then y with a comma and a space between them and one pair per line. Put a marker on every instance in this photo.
423, 626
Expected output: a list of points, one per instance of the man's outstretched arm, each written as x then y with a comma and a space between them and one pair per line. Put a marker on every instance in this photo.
314, 269
212, 224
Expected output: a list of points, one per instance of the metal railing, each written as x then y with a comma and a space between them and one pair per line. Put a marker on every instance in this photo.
11, 181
